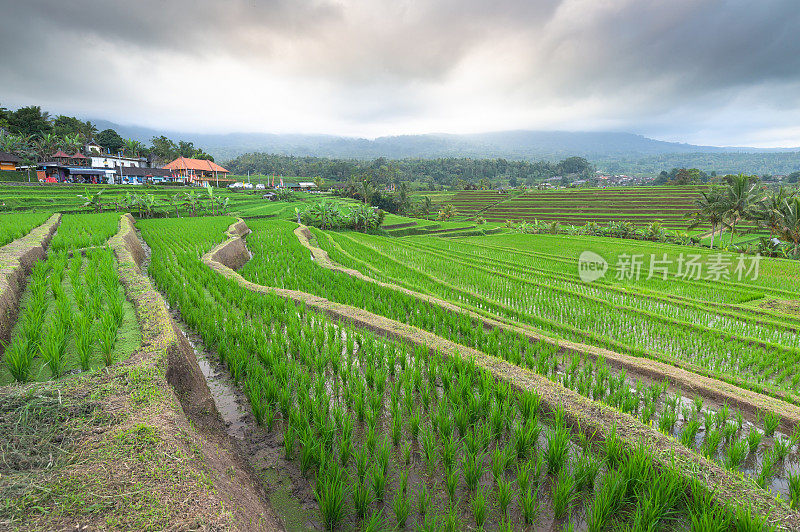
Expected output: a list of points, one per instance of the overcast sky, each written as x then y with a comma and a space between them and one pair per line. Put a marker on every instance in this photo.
719, 72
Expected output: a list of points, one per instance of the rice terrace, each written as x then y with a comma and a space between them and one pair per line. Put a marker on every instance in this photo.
334, 374
400, 266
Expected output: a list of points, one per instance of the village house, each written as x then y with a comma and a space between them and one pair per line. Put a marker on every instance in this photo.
9, 161
198, 171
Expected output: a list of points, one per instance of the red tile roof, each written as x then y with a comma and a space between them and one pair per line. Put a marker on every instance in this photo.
78, 155
185, 163
60, 154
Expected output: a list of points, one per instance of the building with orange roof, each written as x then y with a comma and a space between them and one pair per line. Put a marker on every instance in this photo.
198, 171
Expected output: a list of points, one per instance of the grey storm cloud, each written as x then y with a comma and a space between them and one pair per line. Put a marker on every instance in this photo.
354, 63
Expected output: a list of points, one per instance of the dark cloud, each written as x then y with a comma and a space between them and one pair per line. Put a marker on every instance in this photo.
350, 64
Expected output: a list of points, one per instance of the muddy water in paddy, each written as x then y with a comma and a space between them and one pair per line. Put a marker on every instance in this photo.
777, 484
290, 495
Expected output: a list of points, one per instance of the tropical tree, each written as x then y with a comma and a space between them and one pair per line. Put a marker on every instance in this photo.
709, 208
323, 215
767, 212
93, 200
367, 190
319, 182
739, 196
132, 148
447, 212
426, 206
788, 226
72, 143
190, 200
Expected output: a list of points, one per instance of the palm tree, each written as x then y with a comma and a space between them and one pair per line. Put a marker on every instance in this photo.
789, 221
368, 190
426, 206
709, 209
132, 148
447, 212
767, 211
738, 201
319, 182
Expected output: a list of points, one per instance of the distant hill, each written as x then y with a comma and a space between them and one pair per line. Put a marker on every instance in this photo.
610, 151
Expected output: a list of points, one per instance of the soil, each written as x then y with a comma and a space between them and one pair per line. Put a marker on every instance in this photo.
241, 486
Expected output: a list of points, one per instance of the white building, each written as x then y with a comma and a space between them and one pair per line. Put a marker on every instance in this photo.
113, 161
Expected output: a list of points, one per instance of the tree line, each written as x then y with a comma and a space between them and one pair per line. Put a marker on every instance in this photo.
744, 199
34, 135
430, 174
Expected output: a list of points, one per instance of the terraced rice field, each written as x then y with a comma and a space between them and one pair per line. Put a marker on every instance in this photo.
408, 381
472, 202
639, 205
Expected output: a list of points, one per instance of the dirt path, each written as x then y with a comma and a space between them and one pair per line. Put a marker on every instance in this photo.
689, 379
595, 420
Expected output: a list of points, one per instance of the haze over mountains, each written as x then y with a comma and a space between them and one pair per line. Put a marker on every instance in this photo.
611, 151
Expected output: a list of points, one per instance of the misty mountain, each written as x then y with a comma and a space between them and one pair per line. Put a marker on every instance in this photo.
599, 147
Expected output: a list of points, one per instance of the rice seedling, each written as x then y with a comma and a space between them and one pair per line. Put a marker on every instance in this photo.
451, 483
375, 522
401, 507
735, 454
753, 439
530, 506
83, 340
330, 494
523, 476
288, 442
472, 466
781, 448
423, 500
384, 451
504, 495
607, 500
557, 448
362, 461
794, 490
711, 443
53, 348
746, 520
767, 468
362, 497
405, 453
451, 521
18, 359
480, 509
771, 422
378, 478
564, 494
586, 469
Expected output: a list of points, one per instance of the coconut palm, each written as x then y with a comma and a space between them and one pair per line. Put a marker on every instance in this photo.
447, 212
709, 209
426, 206
788, 221
738, 200
766, 212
